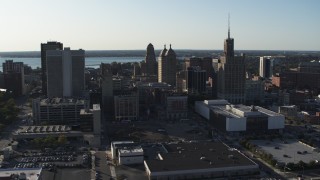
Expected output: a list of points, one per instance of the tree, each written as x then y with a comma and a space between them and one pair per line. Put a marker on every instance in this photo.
62, 140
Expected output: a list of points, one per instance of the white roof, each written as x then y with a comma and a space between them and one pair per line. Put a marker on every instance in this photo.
30, 173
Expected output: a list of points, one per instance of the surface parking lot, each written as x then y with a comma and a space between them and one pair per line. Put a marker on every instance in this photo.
288, 151
51, 160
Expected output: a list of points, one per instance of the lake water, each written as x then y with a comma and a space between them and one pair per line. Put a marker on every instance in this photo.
93, 62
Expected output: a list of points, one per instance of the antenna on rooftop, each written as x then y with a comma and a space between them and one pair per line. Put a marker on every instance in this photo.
228, 25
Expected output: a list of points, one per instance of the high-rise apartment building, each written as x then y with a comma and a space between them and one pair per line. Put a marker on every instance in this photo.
167, 66
65, 72
265, 69
231, 74
13, 77
52, 45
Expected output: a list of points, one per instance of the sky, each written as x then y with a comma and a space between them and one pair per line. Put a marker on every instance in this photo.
186, 24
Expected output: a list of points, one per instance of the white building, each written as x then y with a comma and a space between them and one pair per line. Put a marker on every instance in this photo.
239, 118
127, 152
21, 174
115, 145
130, 155
202, 107
266, 66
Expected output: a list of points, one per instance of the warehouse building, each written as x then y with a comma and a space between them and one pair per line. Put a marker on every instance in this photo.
199, 160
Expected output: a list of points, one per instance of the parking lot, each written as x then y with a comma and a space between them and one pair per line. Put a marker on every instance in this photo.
288, 151
51, 160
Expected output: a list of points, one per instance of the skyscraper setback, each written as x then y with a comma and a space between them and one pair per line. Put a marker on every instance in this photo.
231, 74
52, 45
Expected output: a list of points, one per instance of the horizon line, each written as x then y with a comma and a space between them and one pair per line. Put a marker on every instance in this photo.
161, 49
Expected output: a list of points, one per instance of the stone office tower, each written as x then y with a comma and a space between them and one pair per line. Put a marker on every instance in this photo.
44, 47
231, 74
167, 66
151, 63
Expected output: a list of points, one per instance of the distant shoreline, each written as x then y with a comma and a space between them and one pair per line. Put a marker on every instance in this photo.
179, 52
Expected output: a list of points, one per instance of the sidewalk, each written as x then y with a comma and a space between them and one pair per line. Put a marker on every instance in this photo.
93, 169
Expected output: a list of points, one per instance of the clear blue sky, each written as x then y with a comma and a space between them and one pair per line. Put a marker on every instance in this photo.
186, 24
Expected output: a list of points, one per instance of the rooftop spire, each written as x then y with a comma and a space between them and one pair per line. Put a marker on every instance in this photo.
170, 46
164, 46
228, 25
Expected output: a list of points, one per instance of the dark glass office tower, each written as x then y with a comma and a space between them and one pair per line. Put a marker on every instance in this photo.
51, 45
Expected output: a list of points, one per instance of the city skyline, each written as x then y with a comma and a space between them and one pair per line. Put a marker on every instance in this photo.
131, 25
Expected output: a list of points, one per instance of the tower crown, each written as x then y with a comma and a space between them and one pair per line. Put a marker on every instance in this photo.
163, 52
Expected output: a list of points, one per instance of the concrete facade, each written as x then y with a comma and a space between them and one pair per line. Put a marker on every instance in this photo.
239, 118
57, 110
65, 73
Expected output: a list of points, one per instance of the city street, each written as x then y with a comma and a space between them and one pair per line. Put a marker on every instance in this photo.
25, 110
101, 167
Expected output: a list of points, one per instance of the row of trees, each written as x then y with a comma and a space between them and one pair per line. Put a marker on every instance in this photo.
8, 110
264, 156
49, 142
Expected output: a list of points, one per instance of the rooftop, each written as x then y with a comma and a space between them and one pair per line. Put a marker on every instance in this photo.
237, 111
216, 102
129, 150
199, 155
28, 173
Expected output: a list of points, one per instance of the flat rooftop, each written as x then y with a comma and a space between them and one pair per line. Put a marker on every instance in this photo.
198, 155
126, 150
222, 110
237, 111
31, 173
